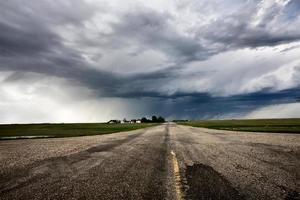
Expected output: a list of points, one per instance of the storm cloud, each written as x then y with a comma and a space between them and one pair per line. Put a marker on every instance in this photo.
182, 59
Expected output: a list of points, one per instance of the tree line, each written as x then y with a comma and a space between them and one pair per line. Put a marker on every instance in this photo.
154, 119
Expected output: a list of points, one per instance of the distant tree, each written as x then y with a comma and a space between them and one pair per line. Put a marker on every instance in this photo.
154, 118
144, 120
161, 119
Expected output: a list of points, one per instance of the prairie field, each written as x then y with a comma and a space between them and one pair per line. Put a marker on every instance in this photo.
66, 130
251, 125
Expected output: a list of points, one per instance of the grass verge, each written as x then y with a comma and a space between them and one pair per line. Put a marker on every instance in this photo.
253, 125
66, 130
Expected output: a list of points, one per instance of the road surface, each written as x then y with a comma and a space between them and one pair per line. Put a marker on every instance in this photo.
164, 162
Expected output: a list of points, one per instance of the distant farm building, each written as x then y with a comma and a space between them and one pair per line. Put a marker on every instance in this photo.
124, 121
135, 121
114, 121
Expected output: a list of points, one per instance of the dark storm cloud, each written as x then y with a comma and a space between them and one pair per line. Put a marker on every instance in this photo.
239, 30
239, 35
152, 30
32, 40
35, 48
26, 28
16, 41
204, 106
27, 42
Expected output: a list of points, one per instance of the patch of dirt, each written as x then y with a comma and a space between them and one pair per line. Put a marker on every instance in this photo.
293, 195
203, 182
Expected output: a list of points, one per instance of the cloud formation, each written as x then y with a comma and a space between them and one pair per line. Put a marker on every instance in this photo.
180, 58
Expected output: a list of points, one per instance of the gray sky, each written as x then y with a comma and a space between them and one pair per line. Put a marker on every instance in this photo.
93, 60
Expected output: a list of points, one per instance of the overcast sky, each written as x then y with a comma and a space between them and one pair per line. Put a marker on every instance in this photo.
94, 60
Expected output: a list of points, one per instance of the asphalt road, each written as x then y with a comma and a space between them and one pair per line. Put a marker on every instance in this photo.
163, 162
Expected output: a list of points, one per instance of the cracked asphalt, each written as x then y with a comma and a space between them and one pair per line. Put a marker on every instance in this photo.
213, 164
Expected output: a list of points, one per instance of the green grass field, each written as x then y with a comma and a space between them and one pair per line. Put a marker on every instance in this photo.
67, 130
256, 125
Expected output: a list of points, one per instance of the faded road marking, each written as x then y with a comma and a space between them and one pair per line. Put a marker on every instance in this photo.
179, 195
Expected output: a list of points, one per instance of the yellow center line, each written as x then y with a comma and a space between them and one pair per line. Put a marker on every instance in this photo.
179, 195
